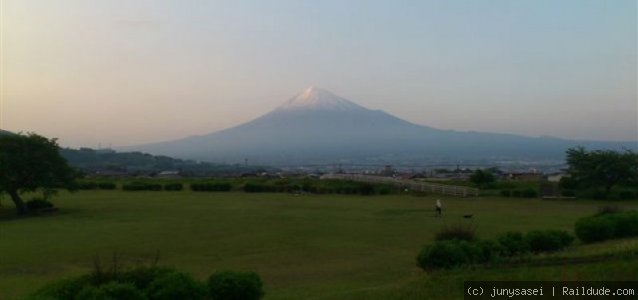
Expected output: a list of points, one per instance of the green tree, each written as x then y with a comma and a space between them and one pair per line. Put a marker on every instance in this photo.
482, 178
600, 168
30, 163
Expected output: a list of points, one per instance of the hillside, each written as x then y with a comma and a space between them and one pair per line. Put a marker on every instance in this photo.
135, 163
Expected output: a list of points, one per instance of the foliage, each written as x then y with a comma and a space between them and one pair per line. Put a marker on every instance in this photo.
627, 194
513, 243
143, 276
111, 291
137, 163
87, 185
227, 285
37, 204
449, 254
153, 283
482, 178
94, 185
610, 225
548, 240
211, 187
254, 187
459, 231
489, 250
529, 193
625, 224
594, 229
29, 163
107, 185
600, 168
520, 193
141, 186
173, 186
63, 289
175, 285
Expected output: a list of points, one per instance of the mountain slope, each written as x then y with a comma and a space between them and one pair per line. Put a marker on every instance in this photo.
3, 132
317, 126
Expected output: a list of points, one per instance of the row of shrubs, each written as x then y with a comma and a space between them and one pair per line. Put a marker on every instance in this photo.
617, 194
154, 283
607, 225
523, 193
146, 186
458, 246
211, 187
93, 185
281, 186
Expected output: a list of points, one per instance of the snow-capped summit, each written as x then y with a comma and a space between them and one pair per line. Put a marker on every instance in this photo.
313, 98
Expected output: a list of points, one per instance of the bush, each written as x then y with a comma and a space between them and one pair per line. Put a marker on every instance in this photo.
173, 187
626, 195
448, 254
524, 193
252, 187
111, 291
87, 185
568, 193
488, 250
594, 229
513, 243
141, 186
548, 240
211, 187
106, 185
460, 231
565, 237
64, 289
37, 204
175, 285
625, 224
366, 189
529, 193
142, 277
596, 194
385, 190
151, 283
235, 285
91, 292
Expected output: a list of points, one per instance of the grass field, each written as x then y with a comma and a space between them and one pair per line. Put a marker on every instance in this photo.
303, 247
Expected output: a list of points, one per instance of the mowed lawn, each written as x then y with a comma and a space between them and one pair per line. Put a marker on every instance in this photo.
303, 247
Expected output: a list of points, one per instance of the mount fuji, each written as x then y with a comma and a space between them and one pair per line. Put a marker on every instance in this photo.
317, 126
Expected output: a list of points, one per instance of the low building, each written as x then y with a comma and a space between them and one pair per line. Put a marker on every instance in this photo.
169, 174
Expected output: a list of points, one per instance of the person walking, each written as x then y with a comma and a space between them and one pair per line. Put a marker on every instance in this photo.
439, 207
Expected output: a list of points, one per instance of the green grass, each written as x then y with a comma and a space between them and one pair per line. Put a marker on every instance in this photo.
303, 247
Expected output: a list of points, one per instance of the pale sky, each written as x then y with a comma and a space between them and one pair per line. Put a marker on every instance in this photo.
126, 72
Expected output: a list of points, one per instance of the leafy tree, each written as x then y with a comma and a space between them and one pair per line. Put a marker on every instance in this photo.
30, 163
600, 168
482, 178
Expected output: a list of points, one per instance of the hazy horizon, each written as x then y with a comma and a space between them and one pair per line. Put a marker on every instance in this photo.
127, 73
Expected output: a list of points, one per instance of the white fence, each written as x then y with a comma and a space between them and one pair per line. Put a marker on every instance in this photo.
452, 190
